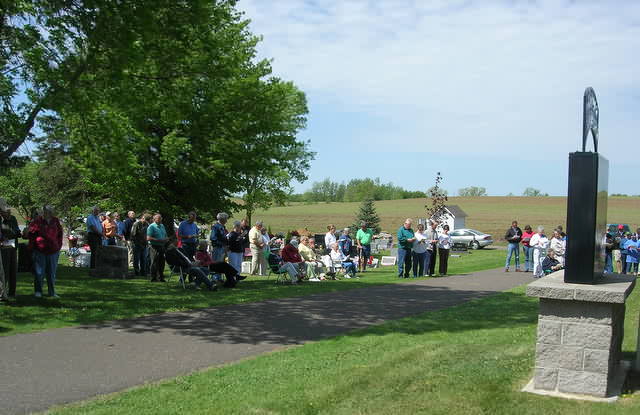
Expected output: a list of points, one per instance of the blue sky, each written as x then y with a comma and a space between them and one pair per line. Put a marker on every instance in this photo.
487, 92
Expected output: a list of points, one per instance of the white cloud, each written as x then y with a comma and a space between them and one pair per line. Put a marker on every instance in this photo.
495, 77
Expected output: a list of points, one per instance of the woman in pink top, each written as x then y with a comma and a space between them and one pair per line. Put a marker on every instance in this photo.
528, 252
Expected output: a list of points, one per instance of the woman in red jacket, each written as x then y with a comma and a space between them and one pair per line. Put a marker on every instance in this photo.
46, 235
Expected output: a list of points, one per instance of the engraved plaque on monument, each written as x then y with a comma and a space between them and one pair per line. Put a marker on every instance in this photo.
587, 203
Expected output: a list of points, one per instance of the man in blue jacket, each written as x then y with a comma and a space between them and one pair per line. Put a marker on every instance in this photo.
405, 244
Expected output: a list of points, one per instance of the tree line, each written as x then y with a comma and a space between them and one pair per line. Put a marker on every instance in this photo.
356, 190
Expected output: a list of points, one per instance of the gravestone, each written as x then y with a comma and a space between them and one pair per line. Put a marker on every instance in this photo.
582, 310
111, 262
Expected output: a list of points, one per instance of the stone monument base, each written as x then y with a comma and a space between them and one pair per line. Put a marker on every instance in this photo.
580, 331
111, 262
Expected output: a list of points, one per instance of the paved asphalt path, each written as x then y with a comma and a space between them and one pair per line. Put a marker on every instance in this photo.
53, 367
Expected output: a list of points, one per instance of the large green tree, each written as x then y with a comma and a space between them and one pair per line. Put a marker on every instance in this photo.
47, 46
188, 116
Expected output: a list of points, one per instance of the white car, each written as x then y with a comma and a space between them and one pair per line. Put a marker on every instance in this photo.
471, 238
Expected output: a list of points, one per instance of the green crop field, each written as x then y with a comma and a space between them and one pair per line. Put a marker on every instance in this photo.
488, 214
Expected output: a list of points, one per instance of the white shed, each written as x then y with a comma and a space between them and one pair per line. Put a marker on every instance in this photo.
454, 217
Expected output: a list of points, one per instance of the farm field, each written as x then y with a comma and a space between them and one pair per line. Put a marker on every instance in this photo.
489, 214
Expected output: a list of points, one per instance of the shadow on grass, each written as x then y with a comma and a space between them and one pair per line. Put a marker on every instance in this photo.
297, 320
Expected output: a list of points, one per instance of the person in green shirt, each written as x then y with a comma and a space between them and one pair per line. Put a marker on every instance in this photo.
157, 237
363, 239
405, 244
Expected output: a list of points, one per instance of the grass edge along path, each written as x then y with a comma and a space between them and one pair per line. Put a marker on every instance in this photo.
86, 300
473, 359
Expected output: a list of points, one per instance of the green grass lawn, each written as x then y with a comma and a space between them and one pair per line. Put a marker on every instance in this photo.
86, 300
470, 359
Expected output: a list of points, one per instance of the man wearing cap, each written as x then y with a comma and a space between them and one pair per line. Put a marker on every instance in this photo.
10, 233
94, 233
363, 239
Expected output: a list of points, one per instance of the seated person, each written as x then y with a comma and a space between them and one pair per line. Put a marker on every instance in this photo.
309, 258
347, 263
291, 254
203, 259
345, 242
177, 256
550, 263
279, 266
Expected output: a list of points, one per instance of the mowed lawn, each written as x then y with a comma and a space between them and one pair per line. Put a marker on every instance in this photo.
86, 300
470, 359
489, 214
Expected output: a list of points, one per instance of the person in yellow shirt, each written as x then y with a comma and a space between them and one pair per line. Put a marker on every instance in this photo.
309, 258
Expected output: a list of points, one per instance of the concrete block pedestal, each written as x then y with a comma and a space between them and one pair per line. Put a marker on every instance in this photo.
580, 332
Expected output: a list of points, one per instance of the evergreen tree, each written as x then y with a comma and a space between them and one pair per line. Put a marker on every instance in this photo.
368, 214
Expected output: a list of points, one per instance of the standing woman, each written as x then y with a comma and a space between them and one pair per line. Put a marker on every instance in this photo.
444, 245
557, 243
46, 232
539, 243
236, 246
419, 252
330, 238
528, 251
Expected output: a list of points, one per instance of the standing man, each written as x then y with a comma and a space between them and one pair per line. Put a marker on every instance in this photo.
188, 233
140, 245
157, 237
120, 228
94, 234
432, 248
513, 237
219, 241
128, 224
256, 243
617, 254
363, 239
405, 243
9, 237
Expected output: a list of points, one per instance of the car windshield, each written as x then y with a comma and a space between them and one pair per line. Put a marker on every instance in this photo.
475, 231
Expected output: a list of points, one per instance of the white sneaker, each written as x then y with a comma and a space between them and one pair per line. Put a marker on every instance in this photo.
347, 277
55, 296
323, 275
38, 295
314, 279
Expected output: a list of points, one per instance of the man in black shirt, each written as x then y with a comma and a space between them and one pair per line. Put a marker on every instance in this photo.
10, 233
513, 237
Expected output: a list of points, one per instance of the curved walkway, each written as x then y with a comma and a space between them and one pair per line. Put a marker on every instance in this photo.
39, 370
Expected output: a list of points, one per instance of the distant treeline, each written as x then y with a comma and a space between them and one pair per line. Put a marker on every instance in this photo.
356, 190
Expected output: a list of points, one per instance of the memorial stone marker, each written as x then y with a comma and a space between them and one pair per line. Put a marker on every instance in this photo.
111, 262
582, 310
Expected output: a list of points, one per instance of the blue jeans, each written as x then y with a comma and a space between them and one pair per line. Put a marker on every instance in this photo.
419, 260
632, 267
511, 249
350, 268
140, 254
217, 254
608, 263
235, 260
45, 264
404, 262
528, 258
429, 256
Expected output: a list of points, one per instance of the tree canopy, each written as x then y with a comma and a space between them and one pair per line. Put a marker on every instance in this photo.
161, 104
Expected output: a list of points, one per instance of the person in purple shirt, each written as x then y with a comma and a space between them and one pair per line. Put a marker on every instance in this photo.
188, 234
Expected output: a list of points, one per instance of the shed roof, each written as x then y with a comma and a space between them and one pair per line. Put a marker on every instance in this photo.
456, 211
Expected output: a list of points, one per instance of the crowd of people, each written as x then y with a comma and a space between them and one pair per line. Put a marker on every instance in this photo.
419, 250
206, 260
